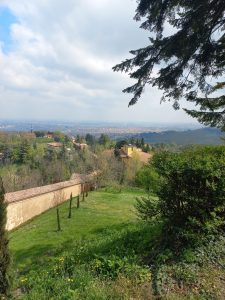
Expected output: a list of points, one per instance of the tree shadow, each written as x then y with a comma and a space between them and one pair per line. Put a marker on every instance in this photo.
143, 241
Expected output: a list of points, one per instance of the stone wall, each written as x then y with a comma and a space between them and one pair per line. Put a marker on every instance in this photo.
25, 205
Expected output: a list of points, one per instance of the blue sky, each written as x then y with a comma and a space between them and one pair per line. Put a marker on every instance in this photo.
6, 20
56, 62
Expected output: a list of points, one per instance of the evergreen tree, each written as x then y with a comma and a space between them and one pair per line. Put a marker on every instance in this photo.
103, 139
4, 252
24, 152
90, 139
190, 55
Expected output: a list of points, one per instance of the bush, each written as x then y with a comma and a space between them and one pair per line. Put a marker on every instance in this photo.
148, 179
191, 191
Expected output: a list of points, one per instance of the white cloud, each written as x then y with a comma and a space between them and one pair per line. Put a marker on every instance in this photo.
61, 62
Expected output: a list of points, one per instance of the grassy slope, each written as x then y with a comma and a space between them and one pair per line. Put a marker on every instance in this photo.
101, 254
99, 211
105, 227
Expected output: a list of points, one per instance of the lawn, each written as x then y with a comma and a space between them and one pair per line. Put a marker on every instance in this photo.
105, 252
102, 243
99, 212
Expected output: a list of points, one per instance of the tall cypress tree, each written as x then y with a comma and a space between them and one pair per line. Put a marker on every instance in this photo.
4, 252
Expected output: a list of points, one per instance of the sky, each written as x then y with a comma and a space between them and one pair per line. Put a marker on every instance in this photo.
56, 60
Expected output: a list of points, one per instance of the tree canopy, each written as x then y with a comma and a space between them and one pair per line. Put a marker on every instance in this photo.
185, 57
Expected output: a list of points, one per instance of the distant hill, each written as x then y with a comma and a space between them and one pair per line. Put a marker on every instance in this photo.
210, 136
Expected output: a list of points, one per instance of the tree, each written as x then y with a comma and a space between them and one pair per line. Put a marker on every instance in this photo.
148, 179
4, 252
90, 139
25, 150
190, 192
189, 54
118, 146
104, 139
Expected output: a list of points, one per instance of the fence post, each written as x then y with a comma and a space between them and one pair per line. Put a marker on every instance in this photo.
78, 201
70, 206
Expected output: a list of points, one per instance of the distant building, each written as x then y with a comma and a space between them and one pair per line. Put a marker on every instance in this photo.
128, 150
49, 135
131, 151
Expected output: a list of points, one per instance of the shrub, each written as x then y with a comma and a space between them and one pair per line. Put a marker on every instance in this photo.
191, 191
148, 179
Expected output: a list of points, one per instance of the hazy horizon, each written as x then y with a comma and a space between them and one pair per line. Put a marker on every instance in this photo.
100, 122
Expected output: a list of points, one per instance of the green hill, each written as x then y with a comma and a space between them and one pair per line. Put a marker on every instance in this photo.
209, 136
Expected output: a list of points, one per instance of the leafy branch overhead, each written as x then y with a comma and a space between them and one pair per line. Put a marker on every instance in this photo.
185, 57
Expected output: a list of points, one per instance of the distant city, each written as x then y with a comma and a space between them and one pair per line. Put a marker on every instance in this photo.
113, 129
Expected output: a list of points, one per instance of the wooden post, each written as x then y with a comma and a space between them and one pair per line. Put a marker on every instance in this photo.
82, 191
78, 201
70, 206
58, 219
83, 196
87, 189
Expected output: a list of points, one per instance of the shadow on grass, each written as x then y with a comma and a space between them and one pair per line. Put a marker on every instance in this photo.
120, 239
36, 256
140, 241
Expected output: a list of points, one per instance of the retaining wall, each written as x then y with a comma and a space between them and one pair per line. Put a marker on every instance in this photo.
25, 205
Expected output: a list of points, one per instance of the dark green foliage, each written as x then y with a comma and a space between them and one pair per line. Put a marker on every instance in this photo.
147, 208
148, 179
4, 252
211, 109
191, 191
118, 146
40, 134
103, 139
90, 139
146, 148
189, 54
70, 206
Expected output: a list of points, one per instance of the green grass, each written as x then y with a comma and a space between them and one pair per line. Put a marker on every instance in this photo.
104, 252
102, 242
99, 212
